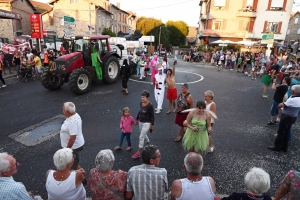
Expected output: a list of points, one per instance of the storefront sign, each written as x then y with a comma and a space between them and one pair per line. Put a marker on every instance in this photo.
36, 26
9, 15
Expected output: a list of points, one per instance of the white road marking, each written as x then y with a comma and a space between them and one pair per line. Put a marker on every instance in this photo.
200, 79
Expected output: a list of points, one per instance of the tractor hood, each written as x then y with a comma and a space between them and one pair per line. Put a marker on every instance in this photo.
69, 62
69, 56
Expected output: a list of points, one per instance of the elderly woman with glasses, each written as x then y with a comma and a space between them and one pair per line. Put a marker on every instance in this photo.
103, 181
65, 183
257, 182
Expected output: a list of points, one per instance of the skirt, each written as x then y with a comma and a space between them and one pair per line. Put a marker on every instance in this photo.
266, 79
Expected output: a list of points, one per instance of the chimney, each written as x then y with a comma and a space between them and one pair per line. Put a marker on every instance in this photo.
118, 5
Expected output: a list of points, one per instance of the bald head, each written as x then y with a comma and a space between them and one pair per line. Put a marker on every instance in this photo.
193, 163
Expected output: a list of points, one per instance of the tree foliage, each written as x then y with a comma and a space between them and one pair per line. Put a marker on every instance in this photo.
107, 31
181, 25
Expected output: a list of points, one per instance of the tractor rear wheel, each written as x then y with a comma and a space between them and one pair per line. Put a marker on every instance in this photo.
111, 70
80, 81
50, 82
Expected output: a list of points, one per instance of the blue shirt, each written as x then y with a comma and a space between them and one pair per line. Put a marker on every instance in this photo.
12, 190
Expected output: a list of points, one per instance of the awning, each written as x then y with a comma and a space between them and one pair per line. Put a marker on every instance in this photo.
4, 14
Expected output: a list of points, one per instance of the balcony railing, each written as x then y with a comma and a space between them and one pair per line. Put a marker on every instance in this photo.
242, 13
222, 33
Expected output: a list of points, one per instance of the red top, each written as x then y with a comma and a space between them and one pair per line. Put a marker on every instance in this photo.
116, 181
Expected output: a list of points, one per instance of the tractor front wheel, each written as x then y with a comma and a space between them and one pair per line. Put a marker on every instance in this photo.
80, 81
50, 82
111, 70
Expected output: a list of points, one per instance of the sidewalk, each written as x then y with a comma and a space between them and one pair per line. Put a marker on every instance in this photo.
8, 74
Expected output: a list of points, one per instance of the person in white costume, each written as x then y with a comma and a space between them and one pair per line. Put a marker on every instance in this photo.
159, 89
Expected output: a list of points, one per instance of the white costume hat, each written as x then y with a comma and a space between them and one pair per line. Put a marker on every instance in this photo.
160, 68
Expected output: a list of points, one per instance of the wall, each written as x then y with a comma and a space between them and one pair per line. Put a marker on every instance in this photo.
293, 35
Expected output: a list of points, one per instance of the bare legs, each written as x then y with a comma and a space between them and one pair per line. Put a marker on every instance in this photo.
265, 90
171, 103
180, 134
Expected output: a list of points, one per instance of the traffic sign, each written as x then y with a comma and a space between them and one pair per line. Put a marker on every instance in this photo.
268, 37
68, 33
69, 21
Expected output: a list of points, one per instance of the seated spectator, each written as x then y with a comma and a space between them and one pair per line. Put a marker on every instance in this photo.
64, 183
103, 181
189, 188
290, 186
11, 189
258, 183
147, 181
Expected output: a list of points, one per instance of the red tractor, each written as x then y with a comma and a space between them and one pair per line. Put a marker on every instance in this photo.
76, 68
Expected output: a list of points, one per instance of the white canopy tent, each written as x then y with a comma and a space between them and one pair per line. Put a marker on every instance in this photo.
246, 43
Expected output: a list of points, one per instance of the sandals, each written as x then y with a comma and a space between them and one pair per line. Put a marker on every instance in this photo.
118, 148
178, 138
128, 148
169, 111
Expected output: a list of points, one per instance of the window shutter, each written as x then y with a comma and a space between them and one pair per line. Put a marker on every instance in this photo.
209, 24
284, 4
269, 4
251, 25
244, 3
255, 2
224, 24
265, 26
279, 27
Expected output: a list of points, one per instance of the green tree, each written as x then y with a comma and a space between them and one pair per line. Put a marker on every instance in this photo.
181, 25
146, 24
107, 31
178, 32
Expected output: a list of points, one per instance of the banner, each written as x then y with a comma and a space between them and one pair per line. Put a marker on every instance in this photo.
11, 48
36, 26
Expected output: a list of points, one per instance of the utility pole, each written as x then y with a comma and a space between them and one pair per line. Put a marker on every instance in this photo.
159, 38
90, 14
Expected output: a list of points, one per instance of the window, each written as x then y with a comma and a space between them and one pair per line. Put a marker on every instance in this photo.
112, 16
277, 4
220, 4
73, 1
107, 23
272, 27
249, 3
120, 17
296, 20
99, 20
217, 25
103, 23
298, 32
288, 31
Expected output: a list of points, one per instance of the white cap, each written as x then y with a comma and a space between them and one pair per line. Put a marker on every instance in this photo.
160, 68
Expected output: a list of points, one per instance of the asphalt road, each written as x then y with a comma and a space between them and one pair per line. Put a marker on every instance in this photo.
240, 135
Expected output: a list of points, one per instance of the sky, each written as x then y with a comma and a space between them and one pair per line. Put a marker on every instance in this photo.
185, 10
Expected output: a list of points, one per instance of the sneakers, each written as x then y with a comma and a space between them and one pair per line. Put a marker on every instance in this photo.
158, 111
3, 85
136, 155
264, 96
211, 149
271, 123
278, 119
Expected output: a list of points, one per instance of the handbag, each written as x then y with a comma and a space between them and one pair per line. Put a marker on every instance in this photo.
112, 190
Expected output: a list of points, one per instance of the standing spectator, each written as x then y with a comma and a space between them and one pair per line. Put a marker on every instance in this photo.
184, 102
46, 58
38, 64
198, 126
71, 132
159, 89
233, 61
1, 78
210, 105
65, 183
145, 118
280, 91
289, 116
28, 53
257, 182
4, 62
62, 49
104, 182
34, 50
172, 90
239, 63
154, 64
11, 189
165, 64
194, 184
254, 70
126, 126
290, 186
125, 71
267, 79
50, 46
147, 181
17, 61
295, 46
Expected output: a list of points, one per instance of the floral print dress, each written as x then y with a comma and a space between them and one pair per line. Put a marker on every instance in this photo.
292, 182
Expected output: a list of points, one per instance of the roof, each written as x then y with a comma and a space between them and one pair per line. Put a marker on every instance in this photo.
119, 9
294, 14
191, 39
41, 7
11, 1
103, 9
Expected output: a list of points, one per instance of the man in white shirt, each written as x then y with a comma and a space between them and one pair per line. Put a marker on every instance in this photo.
159, 89
71, 132
194, 184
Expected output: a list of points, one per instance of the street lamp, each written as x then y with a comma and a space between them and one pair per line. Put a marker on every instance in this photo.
159, 35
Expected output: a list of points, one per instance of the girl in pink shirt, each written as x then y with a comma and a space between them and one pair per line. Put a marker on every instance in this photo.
126, 125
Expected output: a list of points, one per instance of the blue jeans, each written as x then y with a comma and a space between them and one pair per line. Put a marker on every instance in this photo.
248, 67
18, 69
127, 135
274, 108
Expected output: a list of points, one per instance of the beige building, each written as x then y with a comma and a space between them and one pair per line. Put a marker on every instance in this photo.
15, 17
103, 15
238, 20
293, 32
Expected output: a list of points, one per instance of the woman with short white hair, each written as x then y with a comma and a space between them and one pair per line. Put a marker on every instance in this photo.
64, 183
257, 182
103, 181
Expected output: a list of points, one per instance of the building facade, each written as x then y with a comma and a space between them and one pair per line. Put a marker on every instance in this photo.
293, 31
238, 20
20, 23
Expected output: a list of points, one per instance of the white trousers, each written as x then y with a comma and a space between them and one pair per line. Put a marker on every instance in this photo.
142, 72
159, 96
144, 128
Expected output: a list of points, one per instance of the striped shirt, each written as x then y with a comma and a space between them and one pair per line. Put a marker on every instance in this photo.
147, 182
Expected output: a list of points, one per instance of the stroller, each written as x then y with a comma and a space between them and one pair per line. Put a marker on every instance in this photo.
26, 73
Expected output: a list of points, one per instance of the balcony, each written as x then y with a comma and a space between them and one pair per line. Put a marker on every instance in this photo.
222, 33
242, 13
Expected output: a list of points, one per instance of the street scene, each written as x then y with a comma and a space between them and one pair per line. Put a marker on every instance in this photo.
107, 100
